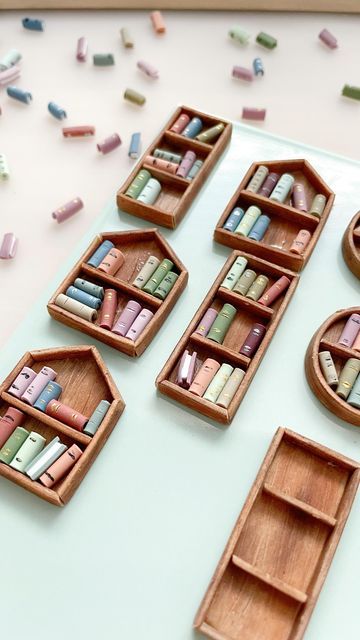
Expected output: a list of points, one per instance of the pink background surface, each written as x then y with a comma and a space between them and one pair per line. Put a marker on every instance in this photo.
301, 90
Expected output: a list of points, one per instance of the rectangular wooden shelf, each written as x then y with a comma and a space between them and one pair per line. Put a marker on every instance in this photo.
137, 246
276, 560
286, 221
248, 312
85, 381
176, 194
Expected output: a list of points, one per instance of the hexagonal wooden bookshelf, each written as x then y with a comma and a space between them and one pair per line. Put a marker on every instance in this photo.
86, 381
137, 246
286, 220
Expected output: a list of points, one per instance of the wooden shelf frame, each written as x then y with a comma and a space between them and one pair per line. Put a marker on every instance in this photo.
168, 211
69, 358
286, 215
234, 605
221, 352
131, 241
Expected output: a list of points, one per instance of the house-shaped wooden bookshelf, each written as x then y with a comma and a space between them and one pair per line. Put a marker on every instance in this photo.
286, 220
86, 381
137, 246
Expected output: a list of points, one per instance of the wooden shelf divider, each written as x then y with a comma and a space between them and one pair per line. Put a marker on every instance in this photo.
338, 349
277, 584
127, 288
48, 420
299, 504
245, 303
219, 350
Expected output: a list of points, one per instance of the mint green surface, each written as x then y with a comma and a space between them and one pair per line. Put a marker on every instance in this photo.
146, 528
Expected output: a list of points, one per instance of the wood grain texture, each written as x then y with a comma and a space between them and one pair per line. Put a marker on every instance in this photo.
275, 562
137, 246
325, 339
280, 585
335, 6
176, 194
248, 313
299, 504
351, 245
85, 380
286, 221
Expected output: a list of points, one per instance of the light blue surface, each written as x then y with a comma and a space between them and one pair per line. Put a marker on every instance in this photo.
131, 555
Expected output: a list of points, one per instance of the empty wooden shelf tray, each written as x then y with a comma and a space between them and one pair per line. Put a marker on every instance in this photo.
85, 381
267, 582
136, 246
286, 220
351, 245
177, 193
326, 339
248, 312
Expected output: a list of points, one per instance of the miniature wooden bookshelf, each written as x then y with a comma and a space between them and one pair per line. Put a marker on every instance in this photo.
86, 381
286, 221
177, 193
326, 339
276, 560
137, 246
351, 245
248, 312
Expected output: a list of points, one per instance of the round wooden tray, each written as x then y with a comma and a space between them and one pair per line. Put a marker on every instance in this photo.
325, 339
351, 245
